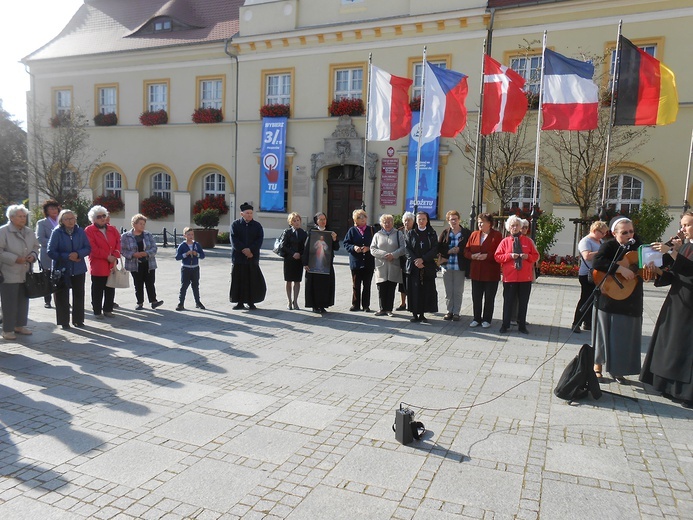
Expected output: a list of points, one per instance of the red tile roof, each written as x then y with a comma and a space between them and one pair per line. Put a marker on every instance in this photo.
104, 26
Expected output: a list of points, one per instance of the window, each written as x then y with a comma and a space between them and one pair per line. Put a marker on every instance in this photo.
68, 182
62, 101
624, 193
650, 46
214, 184
112, 184
210, 93
348, 84
278, 88
161, 185
107, 99
520, 191
529, 67
156, 93
416, 68
162, 24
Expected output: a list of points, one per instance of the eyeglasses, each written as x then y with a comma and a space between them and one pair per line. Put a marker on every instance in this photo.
100, 216
68, 218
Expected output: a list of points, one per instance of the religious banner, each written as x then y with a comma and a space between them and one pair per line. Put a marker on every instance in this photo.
428, 172
272, 157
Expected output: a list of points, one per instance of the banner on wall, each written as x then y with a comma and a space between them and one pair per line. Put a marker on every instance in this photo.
428, 172
272, 159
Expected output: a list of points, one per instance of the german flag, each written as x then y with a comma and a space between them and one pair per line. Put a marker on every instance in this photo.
646, 89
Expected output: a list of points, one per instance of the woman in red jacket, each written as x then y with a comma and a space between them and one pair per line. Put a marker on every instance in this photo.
517, 255
104, 240
484, 271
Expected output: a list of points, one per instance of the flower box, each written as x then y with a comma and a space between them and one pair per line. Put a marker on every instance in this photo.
207, 115
217, 202
156, 207
276, 110
113, 203
110, 119
346, 107
157, 117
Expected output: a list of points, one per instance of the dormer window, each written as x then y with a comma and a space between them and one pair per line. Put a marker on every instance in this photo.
162, 24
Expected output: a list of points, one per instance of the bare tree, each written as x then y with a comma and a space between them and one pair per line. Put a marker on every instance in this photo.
13, 185
60, 158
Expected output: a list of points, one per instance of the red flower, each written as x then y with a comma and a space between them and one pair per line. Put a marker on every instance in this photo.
346, 107
275, 110
109, 119
156, 207
157, 117
207, 115
217, 202
113, 203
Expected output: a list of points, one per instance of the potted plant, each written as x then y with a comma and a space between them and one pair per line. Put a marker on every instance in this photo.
211, 202
346, 107
275, 110
207, 115
156, 117
208, 219
156, 207
110, 119
113, 203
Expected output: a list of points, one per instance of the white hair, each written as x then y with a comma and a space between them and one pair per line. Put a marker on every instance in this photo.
512, 219
14, 209
95, 211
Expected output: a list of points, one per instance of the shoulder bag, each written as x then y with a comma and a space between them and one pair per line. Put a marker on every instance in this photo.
119, 278
38, 284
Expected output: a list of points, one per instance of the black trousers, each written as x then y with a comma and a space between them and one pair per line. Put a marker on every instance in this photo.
516, 291
386, 295
101, 296
62, 302
189, 276
586, 289
141, 278
361, 297
483, 296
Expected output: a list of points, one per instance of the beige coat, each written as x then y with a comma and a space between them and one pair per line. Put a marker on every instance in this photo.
15, 243
381, 245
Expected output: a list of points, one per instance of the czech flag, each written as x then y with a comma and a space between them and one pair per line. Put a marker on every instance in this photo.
570, 97
444, 95
389, 114
646, 92
505, 103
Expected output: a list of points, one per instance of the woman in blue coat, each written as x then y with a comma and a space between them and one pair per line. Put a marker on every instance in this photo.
68, 247
361, 262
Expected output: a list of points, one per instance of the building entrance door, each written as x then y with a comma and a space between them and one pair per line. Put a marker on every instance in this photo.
344, 195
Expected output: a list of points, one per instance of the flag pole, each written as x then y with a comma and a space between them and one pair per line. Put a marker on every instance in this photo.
419, 138
535, 207
612, 111
365, 141
686, 206
473, 212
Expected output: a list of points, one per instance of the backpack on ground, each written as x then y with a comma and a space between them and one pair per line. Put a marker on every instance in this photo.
578, 379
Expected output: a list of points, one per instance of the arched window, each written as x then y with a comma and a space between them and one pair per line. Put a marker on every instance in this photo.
113, 184
624, 193
520, 189
161, 185
214, 184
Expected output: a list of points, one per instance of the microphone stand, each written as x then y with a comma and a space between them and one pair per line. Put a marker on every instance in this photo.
622, 249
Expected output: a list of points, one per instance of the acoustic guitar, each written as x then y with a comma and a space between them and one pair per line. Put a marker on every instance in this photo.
616, 286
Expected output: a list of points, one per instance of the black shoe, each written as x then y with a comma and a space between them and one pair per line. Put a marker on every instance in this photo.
380, 313
586, 326
238, 307
323, 310
180, 307
115, 305
423, 319
366, 309
401, 308
47, 305
575, 329
251, 307
199, 305
354, 308
157, 304
139, 307
66, 327
79, 325
687, 404
503, 330
523, 330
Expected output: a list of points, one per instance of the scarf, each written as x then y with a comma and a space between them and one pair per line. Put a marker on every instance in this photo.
362, 229
517, 248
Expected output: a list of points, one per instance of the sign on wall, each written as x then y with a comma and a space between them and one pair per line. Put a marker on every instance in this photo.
272, 159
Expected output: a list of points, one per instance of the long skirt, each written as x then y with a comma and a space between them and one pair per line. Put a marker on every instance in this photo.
320, 290
247, 284
422, 295
616, 339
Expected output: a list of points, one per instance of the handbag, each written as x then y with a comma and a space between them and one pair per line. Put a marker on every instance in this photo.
278, 248
38, 284
118, 279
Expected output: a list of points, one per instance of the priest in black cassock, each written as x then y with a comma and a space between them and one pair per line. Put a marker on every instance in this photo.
247, 283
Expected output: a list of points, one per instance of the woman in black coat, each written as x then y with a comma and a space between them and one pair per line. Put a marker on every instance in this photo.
320, 288
422, 249
293, 244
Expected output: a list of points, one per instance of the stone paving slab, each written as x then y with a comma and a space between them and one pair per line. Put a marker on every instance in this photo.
223, 414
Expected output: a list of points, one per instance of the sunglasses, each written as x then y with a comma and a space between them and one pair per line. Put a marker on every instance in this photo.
101, 216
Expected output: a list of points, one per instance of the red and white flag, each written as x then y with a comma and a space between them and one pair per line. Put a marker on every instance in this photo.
389, 114
505, 103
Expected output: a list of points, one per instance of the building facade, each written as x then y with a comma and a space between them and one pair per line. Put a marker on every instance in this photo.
237, 56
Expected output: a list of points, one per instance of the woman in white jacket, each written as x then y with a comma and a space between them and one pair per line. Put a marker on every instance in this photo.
387, 247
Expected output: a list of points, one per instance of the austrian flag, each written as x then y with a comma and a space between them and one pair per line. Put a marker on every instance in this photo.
505, 103
389, 114
570, 97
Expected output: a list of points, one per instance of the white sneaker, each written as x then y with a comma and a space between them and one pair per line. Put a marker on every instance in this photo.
474, 324
485, 324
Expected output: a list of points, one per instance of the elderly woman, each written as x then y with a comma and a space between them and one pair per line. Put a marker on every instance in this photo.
588, 247
293, 246
104, 240
320, 288
517, 255
455, 266
68, 247
422, 250
484, 270
408, 220
617, 318
18, 249
138, 247
357, 242
44, 228
387, 247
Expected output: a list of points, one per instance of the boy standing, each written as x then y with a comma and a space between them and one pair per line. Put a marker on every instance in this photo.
190, 253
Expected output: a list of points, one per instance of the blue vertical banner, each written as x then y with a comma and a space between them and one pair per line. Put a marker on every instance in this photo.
272, 158
428, 171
